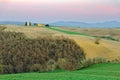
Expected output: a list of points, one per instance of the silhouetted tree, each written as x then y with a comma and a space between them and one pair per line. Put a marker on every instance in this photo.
47, 25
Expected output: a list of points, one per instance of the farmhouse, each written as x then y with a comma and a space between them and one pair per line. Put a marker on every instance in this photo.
27, 23
39, 25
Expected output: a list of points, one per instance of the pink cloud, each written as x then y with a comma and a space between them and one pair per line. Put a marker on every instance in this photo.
4, 1
69, 10
107, 8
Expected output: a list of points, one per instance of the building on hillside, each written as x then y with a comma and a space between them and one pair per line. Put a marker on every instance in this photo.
27, 23
39, 25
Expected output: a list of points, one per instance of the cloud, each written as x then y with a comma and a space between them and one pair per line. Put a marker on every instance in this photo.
44, 1
61, 9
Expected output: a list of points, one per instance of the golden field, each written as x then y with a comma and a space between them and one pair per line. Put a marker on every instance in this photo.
111, 32
107, 49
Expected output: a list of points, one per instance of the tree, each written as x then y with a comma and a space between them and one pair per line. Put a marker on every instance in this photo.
47, 25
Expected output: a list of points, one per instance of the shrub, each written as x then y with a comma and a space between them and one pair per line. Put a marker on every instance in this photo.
88, 62
35, 67
51, 65
61, 63
97, 40
21, 54
109, 38
1, 69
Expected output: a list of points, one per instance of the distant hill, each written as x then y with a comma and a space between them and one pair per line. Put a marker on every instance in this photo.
12, 22
110, 24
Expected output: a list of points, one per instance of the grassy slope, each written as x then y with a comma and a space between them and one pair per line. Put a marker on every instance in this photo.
83, 33
68, 32
105, 71
109, 33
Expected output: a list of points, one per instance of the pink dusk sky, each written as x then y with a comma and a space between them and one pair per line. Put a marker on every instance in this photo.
60, 10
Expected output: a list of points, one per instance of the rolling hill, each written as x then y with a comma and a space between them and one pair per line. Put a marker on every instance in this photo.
106, 49
12, 22
109, 24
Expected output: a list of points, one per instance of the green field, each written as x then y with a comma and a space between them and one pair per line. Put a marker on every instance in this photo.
78, 33
104, 71
68, 32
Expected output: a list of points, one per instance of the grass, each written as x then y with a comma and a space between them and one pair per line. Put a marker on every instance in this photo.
104, 71
109, 38
68, 32
78, 33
